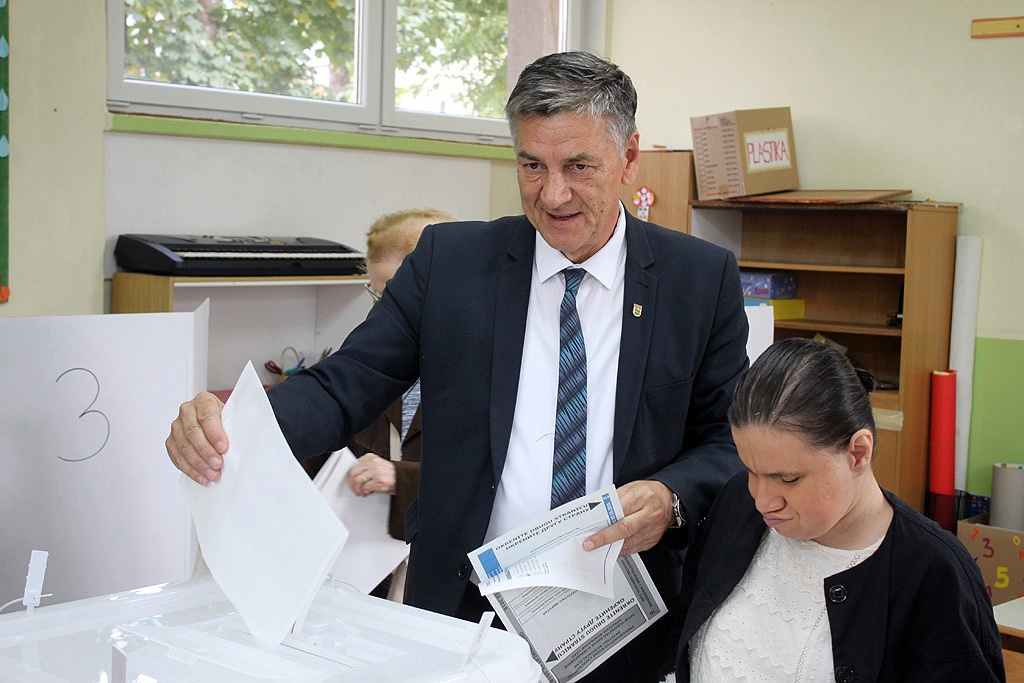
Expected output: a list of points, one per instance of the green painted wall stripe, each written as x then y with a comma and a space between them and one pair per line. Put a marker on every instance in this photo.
159, 125
996, 397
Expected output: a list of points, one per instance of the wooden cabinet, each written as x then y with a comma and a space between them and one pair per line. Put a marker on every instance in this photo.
859, 261
669, 175
252, 318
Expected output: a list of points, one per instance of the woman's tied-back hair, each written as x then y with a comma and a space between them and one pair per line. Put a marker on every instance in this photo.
806, 388
577, 83
397, 233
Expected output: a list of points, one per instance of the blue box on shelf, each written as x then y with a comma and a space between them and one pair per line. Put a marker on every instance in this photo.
760, 285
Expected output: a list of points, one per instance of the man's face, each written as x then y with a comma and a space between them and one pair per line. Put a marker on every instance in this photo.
569, 171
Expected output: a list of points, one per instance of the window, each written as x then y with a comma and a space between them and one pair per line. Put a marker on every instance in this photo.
426, 68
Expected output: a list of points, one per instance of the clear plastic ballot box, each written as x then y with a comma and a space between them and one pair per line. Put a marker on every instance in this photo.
189, 632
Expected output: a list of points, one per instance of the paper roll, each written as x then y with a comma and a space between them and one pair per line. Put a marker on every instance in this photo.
963, 328
942, 433
1007, 504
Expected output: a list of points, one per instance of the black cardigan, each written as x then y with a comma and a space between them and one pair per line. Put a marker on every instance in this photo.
916, 610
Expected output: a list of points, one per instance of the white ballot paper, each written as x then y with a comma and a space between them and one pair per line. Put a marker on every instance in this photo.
370, 553
266, 533
574, 608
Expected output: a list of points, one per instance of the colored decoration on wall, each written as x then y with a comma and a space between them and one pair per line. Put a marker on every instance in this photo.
5, 153
642, 200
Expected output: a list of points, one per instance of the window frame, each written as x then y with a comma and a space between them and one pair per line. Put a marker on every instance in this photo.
395, 120
582, 28
142, 97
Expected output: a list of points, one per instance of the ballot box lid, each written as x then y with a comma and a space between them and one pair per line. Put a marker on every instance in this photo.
189, 631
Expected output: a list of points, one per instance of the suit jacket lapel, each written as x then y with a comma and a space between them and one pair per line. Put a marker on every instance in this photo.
639, 293
513, 299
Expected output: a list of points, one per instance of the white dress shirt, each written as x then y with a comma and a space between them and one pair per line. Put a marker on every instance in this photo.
524, 491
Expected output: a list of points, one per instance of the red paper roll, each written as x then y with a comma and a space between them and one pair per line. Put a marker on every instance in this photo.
942, 433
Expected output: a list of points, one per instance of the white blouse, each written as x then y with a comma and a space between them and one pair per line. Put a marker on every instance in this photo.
773, 626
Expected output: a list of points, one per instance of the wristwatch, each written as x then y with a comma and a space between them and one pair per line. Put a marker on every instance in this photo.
679, 512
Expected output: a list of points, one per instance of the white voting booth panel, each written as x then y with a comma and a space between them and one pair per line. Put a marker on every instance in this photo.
89, 400
188, 631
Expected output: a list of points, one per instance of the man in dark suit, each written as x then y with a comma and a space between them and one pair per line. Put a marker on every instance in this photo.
474, 313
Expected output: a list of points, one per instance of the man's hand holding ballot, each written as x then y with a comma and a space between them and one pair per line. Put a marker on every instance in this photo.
575, 607
648, 513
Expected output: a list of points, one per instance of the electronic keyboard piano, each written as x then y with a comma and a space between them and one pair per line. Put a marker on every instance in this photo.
236, 255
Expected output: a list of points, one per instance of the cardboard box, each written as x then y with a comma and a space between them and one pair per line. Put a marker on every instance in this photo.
744, 152
782, 309
759, 285
999, 553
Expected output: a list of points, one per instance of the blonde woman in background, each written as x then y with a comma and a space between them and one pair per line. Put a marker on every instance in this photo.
388, 451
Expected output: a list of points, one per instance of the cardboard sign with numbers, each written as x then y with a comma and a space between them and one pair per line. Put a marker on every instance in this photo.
999, 553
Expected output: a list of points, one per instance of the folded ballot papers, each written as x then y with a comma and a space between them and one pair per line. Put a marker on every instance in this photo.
266, 533
370, 553
576, 608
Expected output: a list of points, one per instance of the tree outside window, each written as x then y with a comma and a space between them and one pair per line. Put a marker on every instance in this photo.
451, 56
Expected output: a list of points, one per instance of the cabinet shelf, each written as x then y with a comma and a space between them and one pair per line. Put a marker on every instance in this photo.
252, 318
823, 267
887, 399
268, 281
838, 326
857, 263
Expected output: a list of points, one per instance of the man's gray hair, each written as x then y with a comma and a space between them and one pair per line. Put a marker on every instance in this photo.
577, 83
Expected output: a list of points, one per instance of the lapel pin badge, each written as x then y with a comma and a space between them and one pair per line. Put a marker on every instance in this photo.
637, 310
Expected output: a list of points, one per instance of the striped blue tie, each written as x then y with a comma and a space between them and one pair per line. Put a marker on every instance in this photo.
569, 470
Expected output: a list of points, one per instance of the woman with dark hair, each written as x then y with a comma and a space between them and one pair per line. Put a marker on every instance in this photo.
805, 569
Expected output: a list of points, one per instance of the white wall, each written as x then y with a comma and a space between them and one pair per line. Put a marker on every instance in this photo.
883, 95
57, 115
167, 184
